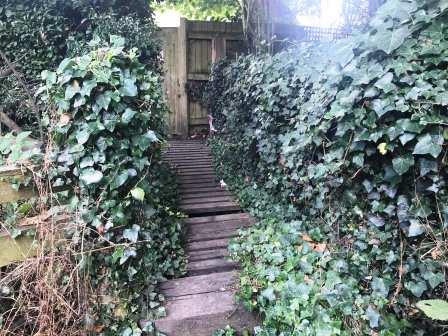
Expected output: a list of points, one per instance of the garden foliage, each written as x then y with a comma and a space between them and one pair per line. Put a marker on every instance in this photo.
108, 130
343, 150
37, 35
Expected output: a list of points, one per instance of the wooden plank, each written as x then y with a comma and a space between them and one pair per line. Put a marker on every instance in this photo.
210, 266
217, 218
199, 284
182, 114
202, 314
198, 178
198, 76
208, 245
205, 194
217, 234
188, 189
208, 35
23, 247
207, 254
7, 192
186, 170
198, 229
210, 208
206, 200
207, 184
14, 250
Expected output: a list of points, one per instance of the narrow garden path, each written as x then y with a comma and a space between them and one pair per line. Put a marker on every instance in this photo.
204, 300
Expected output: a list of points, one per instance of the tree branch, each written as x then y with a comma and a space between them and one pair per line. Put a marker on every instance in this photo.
35, 109
5, 73
4, 119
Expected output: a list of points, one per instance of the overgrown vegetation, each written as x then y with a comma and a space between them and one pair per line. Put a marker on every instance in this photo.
103, 115
208, 10
340, 151
37, 35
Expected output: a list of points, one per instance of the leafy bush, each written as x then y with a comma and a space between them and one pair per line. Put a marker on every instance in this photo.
35, 35
108, 130
343, 148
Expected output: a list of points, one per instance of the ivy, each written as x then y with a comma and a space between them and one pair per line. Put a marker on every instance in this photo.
342, 151
38, 35
108, 127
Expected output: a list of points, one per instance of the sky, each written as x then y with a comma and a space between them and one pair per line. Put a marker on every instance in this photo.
330, 16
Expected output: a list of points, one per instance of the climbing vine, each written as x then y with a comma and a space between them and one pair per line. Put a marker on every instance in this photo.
108, 131
342, 152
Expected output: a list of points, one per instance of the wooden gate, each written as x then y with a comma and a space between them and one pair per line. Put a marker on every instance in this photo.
189, 52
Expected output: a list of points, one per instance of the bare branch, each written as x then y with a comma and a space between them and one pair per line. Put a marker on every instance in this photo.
4, 119
35, 109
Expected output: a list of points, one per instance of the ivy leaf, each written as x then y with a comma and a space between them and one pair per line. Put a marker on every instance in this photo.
429, 144
103, 100
65, 65
119, 180
416, 228
129, 88
416, 287
132, 234
373, 317
117, 41
268, 294
82, 136
128, 115
388, 41
385, 83
427, 166
72, 90
90, 176
379, 286
138, 194
376, 221
434, 309
403, 163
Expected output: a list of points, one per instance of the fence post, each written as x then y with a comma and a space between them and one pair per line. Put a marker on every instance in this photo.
182, 115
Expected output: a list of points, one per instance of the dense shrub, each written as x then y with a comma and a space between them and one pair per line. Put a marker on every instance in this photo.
343, 150
37, 35
108, 129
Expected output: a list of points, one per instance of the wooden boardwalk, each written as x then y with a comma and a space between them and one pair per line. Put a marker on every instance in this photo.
204, 300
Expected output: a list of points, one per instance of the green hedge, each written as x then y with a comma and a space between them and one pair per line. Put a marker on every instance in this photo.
37, 35
343, 150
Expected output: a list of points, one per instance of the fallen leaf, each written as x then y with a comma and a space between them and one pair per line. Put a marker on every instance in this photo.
64, 119
306, 238
320, 248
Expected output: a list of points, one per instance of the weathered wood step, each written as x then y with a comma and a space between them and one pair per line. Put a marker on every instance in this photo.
205, 184
206, 200
208, 254
199, 284
216, 227
209, 266
201, 314
186, 196
197, 178
218, 218
212, 207
192, 189
218, 234
208, 245
197, 172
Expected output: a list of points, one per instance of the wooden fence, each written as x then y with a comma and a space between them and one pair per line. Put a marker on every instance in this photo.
26, 245
189, 52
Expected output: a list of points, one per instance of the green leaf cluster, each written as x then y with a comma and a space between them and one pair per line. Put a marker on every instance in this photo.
108, 126
342, 148
38, 35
